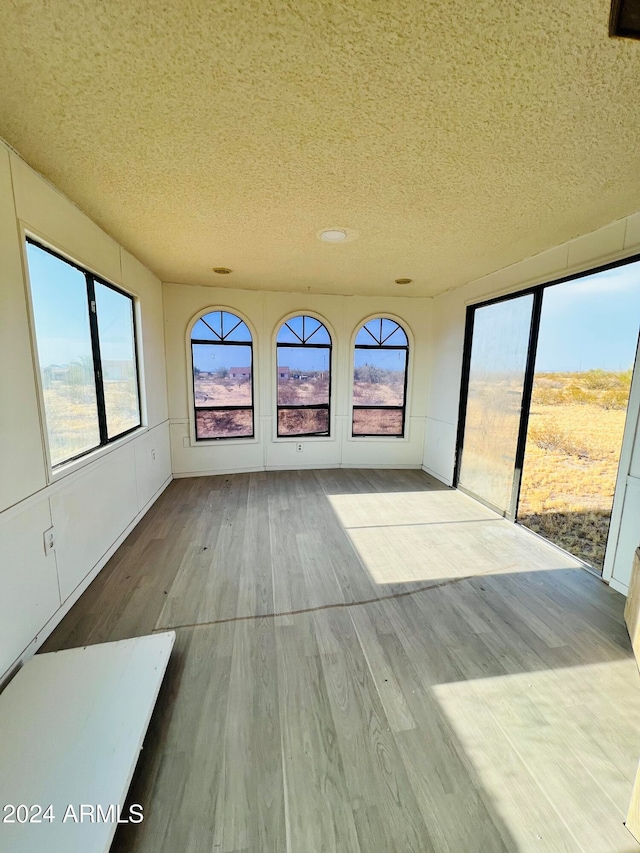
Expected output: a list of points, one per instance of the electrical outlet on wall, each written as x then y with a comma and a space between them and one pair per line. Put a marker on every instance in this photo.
49, 541
298, 448
153, 455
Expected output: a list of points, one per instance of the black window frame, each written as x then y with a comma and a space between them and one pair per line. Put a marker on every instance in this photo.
379, 344
222, 341
303, 342
90, 281
537, 291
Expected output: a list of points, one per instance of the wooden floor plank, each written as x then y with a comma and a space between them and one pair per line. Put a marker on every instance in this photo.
436, 679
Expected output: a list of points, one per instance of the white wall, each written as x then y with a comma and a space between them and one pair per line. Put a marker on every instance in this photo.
91, 504
265, 312
619, 240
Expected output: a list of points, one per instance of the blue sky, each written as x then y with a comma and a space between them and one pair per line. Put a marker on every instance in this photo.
62, 316
303, 358
387, 359
210, 358
591, 322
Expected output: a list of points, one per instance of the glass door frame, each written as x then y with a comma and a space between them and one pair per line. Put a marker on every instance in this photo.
532, 344
534, 331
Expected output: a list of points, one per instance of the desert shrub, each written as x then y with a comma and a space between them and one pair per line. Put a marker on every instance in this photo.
615, 398
369, 373
582, 533
547, 435
545, 395
576, 394
596, 379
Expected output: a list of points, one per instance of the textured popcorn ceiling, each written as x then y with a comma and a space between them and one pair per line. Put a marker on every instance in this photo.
453, 137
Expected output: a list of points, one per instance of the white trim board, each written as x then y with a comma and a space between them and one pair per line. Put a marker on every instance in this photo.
312, 466
72, 725
68, 603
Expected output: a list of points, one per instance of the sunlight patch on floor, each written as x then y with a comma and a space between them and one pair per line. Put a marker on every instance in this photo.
409, 537
547, 734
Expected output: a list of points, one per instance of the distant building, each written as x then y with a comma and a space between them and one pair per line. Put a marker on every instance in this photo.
283, 373
239, 373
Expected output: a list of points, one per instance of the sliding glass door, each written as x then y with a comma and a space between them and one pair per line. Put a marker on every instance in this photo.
545, 387
498, 349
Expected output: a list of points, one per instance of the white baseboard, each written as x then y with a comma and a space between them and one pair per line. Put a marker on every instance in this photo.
445, 480
184, 475
619, 587
388, 466
68, 603
415, 466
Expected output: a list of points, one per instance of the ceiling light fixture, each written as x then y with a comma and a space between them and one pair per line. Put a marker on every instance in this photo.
404, 280
222, 270
333, 235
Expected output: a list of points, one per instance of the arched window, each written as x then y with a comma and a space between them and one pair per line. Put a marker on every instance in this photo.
380, 379
222, 359
303, 360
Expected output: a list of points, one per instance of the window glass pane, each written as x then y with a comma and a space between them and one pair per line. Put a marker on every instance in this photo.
303, 329
378, 377
291, 331
377, 421
287, 336
230, 423
221, 325
61, 314
303, 375
584, 364
233, 328
203, 332
118, 358
315, 332
303, 421
494, 402
222, 375
396, 338
367, 338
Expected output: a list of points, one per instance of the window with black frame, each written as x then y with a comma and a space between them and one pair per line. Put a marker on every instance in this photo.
303, 360
222, 360
380, 379
86, 345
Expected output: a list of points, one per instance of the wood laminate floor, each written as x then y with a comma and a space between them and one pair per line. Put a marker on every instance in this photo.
367, 662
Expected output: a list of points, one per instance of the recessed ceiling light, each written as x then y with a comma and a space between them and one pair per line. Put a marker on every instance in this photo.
222, 270
404, 280
333, 235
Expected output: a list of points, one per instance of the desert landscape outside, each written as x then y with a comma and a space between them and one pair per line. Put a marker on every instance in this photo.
379, 379
576, 424
584, 349
303, 361
71, 409
222, 355
376, 389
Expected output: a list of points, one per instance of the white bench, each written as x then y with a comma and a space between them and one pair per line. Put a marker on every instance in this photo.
72, 725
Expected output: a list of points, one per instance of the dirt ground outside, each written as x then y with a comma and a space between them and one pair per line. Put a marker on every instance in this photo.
224, 423
300, 392
210, 390
377, 422
72, 420
571, 460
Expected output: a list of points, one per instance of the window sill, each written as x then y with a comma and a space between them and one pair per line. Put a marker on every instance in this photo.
220, 442
386, 438
62, 471
298, 439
